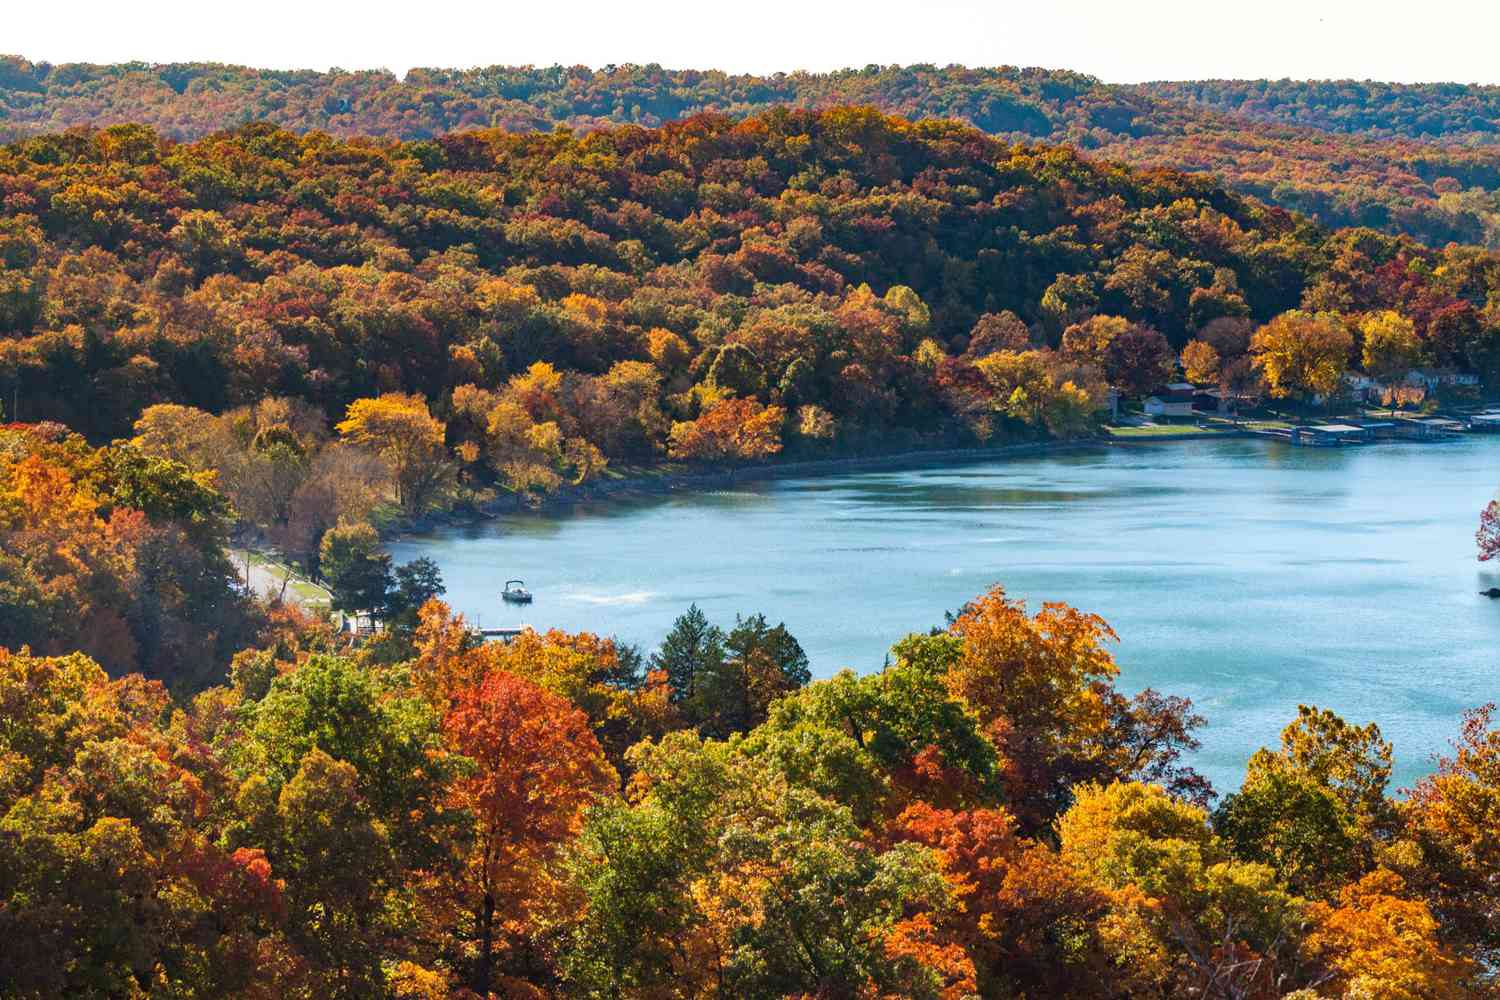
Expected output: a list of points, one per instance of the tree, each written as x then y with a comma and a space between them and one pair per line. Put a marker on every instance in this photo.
414, 584
343, 775
1186, 919
1030, 679
731, 429
1025, 919
1138, 360
399, 428
1303, 354
692, 647
1488, 535
536, 766
997, 332
1200, 362
725, 683
1382, 943
357, 571
877, 742
718, 878
110, 869
1315, 809
1390, 345
1452, 815
1089, 340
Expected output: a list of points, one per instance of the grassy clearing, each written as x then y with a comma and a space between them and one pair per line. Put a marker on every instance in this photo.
1163, 430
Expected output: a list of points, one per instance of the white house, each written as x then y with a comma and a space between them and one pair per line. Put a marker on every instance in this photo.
1156, 406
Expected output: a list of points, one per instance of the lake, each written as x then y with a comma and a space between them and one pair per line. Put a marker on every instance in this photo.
1245, 574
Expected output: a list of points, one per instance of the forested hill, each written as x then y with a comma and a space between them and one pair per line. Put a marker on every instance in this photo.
1449, 111
1424, 161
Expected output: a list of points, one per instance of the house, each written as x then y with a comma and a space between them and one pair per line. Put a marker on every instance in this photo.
1362, 386
1434, 378
363, 624
1175, 400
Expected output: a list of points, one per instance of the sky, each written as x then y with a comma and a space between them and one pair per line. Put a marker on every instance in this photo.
1120, 41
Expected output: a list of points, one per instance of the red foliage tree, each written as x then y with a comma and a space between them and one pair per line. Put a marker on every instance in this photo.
1488, 535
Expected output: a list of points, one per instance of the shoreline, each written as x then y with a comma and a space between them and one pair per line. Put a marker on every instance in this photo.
710, 478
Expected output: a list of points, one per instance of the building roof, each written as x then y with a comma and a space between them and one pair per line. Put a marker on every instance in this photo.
1337, 428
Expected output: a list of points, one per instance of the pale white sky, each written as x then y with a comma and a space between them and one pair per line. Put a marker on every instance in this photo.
1117, 40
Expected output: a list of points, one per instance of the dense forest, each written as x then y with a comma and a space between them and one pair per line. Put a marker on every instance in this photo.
1420, 160
301, 338
427, 816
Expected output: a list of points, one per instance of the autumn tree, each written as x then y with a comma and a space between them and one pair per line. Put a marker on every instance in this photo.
1041, 686
536, 766
399, 428
1451, 815
1389, 345
1138, 360
1488, 535
1185, 918
1381, 942
997, 332
731, 429
1303, 354
1200, 362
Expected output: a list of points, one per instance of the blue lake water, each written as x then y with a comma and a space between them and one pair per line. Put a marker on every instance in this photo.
1247, 575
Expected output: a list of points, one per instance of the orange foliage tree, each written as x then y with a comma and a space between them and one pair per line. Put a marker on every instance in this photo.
536, 766
731, 429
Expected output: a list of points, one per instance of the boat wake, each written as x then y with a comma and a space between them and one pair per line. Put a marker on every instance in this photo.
633, 597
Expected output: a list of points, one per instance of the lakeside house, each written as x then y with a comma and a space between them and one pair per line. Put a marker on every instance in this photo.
1434, 378
1171, 401
1362, 386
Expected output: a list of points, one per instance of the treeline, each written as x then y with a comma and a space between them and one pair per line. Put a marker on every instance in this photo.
1414, 160
427, 817
1465, 112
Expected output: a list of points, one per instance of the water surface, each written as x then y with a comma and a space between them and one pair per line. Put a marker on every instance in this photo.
1247, 575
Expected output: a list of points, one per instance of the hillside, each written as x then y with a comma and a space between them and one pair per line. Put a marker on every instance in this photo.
1414, 160
1426, 111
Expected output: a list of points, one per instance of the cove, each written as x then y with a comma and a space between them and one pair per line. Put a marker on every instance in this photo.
1248, 575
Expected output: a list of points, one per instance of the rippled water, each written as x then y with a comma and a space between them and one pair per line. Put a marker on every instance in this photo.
1247, 575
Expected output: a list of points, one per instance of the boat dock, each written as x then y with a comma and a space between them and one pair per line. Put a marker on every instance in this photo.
1402, 428
505, 634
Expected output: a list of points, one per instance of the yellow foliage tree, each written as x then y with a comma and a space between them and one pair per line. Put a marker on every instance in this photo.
402, 431
1200, 362
1303, 354
1390, 345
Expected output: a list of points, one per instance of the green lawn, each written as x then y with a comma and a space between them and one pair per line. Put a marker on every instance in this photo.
300, 589
1161, 430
